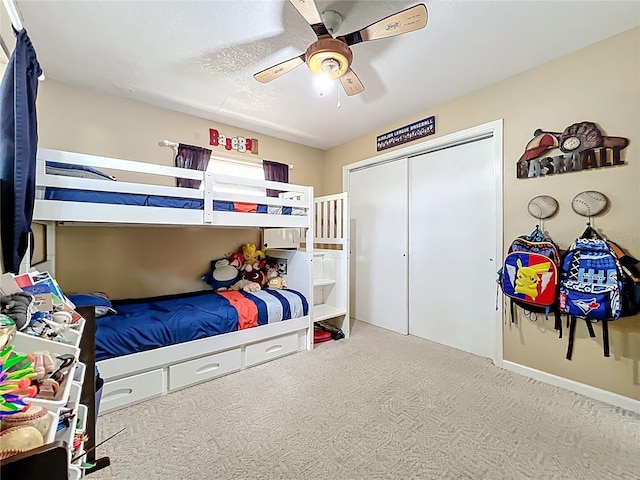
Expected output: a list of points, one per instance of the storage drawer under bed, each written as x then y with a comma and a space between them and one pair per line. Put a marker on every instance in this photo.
272, 348
205, 368
130, 390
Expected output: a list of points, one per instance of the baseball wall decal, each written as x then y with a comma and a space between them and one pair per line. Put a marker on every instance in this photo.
589, 203
542, 207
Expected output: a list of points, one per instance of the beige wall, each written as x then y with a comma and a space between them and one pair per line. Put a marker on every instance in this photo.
132, 262
602, 84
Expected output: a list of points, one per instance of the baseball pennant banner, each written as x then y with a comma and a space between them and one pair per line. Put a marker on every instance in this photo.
409, 133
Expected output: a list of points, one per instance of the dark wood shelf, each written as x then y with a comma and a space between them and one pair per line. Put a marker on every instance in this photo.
51, 461
88, 394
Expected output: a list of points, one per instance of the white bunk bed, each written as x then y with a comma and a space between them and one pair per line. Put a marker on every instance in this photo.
330, 258
139, 376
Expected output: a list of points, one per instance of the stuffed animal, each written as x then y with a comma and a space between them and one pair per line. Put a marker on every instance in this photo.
222, 274
272, 272
277, 282
252, 255
281, 266
236, 259
256, 276
245, 285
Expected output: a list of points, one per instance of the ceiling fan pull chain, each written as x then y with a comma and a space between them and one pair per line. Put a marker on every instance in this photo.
338, 97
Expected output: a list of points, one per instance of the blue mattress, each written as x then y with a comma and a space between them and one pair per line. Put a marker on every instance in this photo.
146, 324
136, 199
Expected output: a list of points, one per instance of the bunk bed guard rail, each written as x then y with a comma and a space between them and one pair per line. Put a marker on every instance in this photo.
148, 179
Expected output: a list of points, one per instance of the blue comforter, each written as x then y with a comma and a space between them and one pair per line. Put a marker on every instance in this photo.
145, 324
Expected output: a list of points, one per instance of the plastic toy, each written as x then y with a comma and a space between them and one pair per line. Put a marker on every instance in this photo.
7, 330
16, 373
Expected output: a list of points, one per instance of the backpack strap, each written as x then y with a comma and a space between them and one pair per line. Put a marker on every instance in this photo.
511, 307
605, 337
558, 323
572, 334
592, 334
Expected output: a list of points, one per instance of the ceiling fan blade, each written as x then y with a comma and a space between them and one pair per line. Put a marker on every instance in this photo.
406, 21
279, 69
351, 83
309, 10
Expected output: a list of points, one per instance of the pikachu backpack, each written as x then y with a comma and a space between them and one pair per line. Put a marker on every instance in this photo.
529, 276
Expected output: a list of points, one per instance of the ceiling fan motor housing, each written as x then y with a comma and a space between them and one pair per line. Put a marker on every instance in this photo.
329, 56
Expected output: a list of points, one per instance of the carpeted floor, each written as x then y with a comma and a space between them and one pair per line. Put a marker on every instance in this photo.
377, 406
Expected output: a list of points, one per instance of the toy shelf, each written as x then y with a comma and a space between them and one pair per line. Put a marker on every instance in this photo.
70, 392
325, 312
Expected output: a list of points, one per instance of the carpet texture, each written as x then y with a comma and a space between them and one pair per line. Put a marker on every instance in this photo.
377, 406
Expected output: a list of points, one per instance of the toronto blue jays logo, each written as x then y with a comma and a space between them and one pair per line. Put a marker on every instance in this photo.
586, 305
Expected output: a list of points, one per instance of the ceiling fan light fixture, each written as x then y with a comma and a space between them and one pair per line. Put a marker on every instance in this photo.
331, 67
323, 84
330, 57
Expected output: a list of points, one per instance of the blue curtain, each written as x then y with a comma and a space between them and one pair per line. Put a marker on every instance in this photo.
194, 158
18, 148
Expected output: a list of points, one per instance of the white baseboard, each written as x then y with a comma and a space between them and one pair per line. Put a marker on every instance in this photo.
587, 390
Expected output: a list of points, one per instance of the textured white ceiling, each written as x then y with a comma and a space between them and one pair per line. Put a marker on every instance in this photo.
199, 57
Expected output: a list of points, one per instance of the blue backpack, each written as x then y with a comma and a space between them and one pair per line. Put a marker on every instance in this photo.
590, 286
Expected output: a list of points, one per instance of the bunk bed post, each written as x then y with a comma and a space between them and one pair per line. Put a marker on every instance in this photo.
309, 246
25, 264
208, 198
51, 247
49, 264
346, 246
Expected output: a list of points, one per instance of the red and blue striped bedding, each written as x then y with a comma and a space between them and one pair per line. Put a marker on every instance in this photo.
146, 324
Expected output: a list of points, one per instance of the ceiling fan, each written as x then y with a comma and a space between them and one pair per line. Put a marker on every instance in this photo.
331, 56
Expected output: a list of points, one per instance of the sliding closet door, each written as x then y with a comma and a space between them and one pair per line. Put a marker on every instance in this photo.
452, 244
378, 204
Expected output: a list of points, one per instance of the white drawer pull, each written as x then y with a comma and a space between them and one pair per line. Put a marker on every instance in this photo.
208, 368
121, 392
273, 349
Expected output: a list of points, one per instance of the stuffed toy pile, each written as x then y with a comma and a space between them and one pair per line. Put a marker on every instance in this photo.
247, 269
